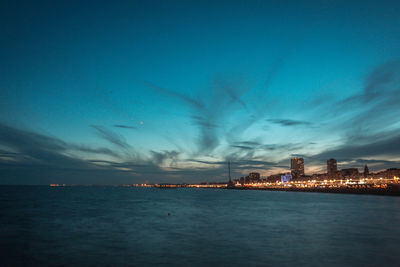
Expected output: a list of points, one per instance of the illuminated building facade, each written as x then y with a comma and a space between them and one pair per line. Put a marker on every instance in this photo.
297, 167
331, 166
389, 173
286, 178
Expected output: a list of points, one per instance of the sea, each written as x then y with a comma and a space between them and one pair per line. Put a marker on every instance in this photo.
128, 226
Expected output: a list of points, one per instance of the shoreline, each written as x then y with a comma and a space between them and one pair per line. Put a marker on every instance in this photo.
357, 191
393, 191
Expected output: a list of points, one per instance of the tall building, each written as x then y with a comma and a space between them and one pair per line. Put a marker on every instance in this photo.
366, 171
297, 167
331, 166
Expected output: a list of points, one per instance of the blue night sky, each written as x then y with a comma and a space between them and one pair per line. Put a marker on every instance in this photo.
118, 92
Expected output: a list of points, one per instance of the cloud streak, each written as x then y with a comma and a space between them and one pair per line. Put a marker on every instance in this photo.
191, 101
31, 158
124, 126
375, 107
376, 146
251, 145
111, 137
288, 123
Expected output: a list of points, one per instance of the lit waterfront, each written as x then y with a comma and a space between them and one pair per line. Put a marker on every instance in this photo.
334, 181
349, 183
344, 183
354, 183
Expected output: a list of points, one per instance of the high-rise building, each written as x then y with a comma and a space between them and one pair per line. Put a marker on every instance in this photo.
331, 166
366, 171
297, 167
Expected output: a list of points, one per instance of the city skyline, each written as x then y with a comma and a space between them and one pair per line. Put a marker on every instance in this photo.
297, 166
169, 91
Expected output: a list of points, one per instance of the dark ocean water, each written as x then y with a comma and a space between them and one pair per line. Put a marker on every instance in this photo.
115, 226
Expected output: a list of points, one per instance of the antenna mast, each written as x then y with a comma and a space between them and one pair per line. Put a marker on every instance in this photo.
230, 183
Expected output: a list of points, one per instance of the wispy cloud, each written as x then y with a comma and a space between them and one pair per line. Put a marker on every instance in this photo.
212, 110
203, 122
242, 164
366, 122
124, 126
111, 136
252, 145
209, 111
31, 158
35, 158
288, 122
375, 146
159, 158
191, 101
374, 107
100, 150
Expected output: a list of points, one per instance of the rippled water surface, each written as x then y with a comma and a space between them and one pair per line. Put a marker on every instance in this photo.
111, 226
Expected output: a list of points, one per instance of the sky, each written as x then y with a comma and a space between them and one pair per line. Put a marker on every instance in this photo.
124, 92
